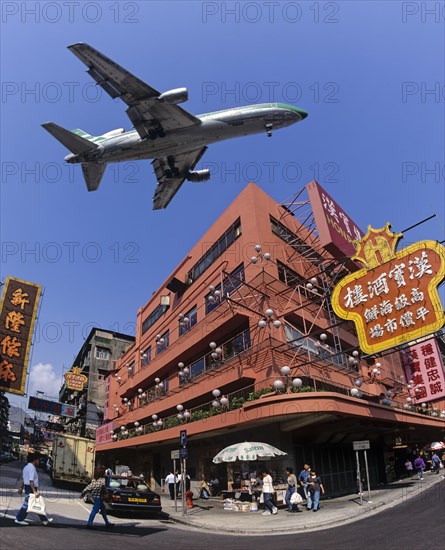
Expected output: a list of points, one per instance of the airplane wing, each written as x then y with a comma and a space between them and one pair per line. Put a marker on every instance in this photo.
144, 111
169, 185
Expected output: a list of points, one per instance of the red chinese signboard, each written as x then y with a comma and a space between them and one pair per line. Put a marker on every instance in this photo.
424, 372
74, 380
336, 230
18, 309
395, 298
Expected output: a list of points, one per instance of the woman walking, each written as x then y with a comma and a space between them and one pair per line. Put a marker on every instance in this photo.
315, 486
268, 491
97, 488
291, 488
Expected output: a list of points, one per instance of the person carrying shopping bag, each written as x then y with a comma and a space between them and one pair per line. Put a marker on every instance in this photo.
31, 485
97, 488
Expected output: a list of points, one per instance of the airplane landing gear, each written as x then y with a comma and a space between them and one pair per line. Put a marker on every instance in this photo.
269, 130
156, 132
172, 171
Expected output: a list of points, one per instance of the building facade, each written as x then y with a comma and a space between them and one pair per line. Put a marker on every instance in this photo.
240, 344
96, 359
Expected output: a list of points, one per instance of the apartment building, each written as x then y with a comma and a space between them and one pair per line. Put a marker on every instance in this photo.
240, 343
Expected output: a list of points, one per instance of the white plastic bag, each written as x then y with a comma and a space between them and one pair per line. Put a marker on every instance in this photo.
296, 498
36, 505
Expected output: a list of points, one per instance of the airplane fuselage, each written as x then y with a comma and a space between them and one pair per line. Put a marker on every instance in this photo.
214, 127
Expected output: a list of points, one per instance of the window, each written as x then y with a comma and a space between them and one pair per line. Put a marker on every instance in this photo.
236, 345
153, 317
297, 339
163, 342
229, 284
323, 352
230, 348
188, 320
146, 357
197, 368
103, 353
288, 276
221, 245
299, 245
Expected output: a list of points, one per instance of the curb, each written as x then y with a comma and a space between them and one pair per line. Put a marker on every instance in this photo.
374, 508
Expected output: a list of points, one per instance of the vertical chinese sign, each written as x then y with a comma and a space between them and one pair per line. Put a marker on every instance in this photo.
424, 371
336, 230
18, 310
394, 299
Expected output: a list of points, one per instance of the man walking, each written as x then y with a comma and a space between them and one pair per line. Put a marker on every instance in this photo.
436, 463
31, 485
170, 481
303, 476
419, 464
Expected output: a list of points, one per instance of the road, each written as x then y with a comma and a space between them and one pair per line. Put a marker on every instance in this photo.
404, 526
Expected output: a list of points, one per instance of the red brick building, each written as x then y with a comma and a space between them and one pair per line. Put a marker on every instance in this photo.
228, 318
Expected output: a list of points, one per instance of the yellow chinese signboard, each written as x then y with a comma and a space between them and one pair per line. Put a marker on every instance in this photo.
18, 309
394, 299
74, 380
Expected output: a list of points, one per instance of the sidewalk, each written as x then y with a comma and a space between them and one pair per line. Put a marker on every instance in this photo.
211, 516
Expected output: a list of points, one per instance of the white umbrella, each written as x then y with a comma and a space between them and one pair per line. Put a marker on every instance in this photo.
435, 446
248, 450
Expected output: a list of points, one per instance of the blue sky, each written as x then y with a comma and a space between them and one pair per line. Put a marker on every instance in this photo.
370, 75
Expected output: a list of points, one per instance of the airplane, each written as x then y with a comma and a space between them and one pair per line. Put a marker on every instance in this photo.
163, 131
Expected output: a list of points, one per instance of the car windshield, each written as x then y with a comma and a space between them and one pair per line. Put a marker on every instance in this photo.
128, 483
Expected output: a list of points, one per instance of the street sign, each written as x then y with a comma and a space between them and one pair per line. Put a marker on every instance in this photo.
183, 437
175, 455
361, 445
183, 453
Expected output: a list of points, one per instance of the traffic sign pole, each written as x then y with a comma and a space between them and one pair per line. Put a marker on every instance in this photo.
367, 477
175, 485
359, 478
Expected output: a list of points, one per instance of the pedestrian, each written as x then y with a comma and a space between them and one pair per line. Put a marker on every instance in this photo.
291, 488
204, 492
315, 486
419, 465
30, 483
108, 475
171, 481
268, 491
409, 468
98, 489
214, 485
436, 462
303, 476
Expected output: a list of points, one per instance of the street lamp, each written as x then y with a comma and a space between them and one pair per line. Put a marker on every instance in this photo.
263, 257
279, 384
218, 401
269, 320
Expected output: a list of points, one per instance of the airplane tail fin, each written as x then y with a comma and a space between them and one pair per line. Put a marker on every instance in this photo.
93, 173
72, 141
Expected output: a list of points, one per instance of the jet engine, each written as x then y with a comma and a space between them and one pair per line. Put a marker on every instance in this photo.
198, 175
178, 95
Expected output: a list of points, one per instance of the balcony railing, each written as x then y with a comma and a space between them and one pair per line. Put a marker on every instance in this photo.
251, 393
229, 349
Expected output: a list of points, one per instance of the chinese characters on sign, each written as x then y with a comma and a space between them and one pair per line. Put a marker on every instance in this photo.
74, 380
51, 407
18, 310
336, 230
423, 366
394, 299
